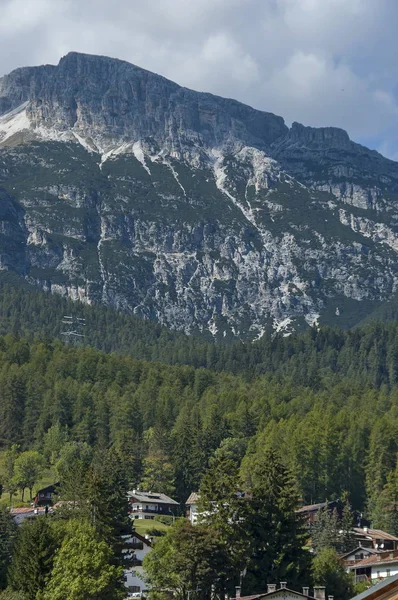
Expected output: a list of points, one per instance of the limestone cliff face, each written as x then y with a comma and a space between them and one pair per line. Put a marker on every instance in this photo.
119, 186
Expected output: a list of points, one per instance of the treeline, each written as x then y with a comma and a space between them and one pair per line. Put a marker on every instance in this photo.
367, 354
339, 439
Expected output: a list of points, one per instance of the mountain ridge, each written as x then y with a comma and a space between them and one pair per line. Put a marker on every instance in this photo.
123, 188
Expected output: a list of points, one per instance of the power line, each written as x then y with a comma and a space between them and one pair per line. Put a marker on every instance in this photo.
73, 329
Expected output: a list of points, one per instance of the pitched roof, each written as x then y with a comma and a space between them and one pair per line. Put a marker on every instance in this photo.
193, 498
316, 507
361, 549
26, 510
151, 497
375, 533
49, 488
377, 559
378, 590
275, 593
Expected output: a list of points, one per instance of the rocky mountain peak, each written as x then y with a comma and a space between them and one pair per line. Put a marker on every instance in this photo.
124, 188
331, 137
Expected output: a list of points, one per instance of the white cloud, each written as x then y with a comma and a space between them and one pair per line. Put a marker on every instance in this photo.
320, 62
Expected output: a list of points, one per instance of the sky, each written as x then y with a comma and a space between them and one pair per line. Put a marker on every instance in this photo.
319, 62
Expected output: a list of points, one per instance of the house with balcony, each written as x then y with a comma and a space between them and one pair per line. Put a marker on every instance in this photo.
377, 566
375, 538
136, 548
146, 505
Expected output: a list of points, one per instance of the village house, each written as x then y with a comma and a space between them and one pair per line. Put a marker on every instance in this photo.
137, 547
376, 566
192, 507
356, 555
46, 495
311, 512
284, 593
146, 505
20, 514
375, 538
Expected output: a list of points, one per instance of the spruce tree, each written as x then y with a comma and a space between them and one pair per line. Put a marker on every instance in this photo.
277, 532
7, 535
32, 557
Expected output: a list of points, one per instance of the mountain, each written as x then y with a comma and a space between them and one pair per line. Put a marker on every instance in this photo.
120, 187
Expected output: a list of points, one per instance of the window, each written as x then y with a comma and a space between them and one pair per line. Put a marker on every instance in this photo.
388, 572
378, 574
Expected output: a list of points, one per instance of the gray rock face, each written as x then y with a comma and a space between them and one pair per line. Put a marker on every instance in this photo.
121, 187
108, 100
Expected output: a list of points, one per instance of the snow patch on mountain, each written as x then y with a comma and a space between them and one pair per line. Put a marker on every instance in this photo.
14, 122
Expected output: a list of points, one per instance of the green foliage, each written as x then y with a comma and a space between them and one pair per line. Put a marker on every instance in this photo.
188, 560
366, 354
27, 470
53, 441
277, 532
82, 567
158, 472
33, 557
7, 535
328, 570
228, 513
73, 463
10, 594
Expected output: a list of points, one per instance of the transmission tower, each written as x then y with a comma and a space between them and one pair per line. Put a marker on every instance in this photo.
73, 330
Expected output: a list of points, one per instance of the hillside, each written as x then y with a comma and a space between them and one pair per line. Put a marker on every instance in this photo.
367, 354
119, 187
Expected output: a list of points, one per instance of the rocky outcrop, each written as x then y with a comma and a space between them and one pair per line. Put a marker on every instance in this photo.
121, 187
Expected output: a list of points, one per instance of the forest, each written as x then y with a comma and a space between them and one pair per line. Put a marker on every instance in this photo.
338, 438
313, 416
366, 354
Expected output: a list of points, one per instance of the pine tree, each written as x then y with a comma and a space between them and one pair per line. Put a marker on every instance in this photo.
7, 535
32, 558
277, 531
225, 510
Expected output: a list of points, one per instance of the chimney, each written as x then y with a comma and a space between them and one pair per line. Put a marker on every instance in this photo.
319, 592
271, 587
283, 585
237, 592
306, 591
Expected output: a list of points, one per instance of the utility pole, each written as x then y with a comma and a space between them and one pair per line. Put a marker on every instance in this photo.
72, 330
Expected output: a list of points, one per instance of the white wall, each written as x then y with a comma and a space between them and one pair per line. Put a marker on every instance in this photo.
380, 571
135, 575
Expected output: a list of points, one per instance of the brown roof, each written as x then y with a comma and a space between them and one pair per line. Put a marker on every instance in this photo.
360, 549
311, 507
378, 559
193, 498
25, 510
376, 533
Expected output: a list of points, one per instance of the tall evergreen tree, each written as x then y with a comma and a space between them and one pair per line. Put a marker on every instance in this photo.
277, 531
32, 558
7, 535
